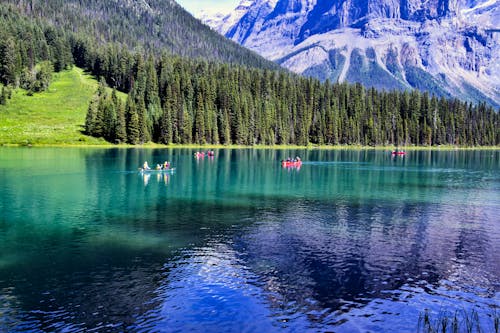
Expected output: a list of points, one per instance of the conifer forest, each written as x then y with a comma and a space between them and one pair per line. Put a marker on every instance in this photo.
178, 100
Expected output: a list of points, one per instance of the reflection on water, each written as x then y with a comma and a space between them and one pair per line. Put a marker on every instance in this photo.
160, 177
353, 241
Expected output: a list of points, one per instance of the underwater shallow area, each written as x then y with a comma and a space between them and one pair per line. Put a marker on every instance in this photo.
352, 241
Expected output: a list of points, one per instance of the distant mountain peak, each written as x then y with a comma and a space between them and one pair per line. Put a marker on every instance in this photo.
448, 47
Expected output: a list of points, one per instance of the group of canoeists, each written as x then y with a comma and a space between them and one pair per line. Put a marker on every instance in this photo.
201, 154
292, 162
165, 166
159, 167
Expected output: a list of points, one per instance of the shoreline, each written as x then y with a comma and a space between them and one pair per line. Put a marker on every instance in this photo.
275, 147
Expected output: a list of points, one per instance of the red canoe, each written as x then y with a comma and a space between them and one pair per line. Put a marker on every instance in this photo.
291, 164
398, 153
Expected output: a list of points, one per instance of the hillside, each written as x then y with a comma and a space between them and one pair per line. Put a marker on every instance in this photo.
175, 100
152, 25
56, 116
450, 48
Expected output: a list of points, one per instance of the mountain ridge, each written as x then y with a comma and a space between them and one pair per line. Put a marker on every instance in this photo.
435, 46
152, 25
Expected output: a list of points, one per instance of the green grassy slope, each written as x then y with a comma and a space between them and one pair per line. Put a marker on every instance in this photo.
56, 116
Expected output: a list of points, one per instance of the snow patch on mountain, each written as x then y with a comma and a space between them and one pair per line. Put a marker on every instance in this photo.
485, 14
304, 60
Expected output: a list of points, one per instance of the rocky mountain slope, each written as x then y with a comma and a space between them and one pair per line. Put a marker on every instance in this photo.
447, 47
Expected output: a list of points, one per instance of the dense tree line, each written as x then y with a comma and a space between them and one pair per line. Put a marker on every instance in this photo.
106, 116
30, 51
177, 100
174, 100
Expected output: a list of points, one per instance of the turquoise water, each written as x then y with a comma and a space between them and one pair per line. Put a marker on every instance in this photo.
353, 241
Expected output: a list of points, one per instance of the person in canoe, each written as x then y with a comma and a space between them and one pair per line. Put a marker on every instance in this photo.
166, 165
145, 166
398, 152
292, 162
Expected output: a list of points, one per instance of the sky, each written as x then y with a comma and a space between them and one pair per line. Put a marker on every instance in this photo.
209, 6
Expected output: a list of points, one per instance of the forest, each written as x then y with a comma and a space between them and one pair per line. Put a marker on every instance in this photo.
174, 100
179, 100
142, 26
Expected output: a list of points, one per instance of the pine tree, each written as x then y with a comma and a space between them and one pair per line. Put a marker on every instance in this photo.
139, 78
144, 122
199, 120
8, 68
109, 119
166, 131
132, 121
90, 120
43, 77
187, 127
121, 125
225, 127
99, 124
134, 133
152, 100
3, 96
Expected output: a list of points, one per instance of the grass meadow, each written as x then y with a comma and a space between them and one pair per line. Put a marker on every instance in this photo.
53, 117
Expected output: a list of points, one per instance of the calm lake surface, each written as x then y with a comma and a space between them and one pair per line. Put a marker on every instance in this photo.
353, 241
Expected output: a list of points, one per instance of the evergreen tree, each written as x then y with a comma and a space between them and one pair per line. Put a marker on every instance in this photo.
132, 121
3, 96
8, 68
152, 100
109, 118
199, 121
43, 77
186, 127
90, 119
121, 124
144, 122
166, 130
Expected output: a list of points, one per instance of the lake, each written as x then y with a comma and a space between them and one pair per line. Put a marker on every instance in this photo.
352, 241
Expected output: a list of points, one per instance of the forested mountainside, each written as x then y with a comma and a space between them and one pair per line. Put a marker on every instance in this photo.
446, 47
151, 26
181, 100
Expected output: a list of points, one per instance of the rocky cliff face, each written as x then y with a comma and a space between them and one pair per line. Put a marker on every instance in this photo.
448, 47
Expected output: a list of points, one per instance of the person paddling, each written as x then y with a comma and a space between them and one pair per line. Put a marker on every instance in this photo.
146, 166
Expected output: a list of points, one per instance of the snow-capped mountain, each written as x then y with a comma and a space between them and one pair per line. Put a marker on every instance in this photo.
448, 47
